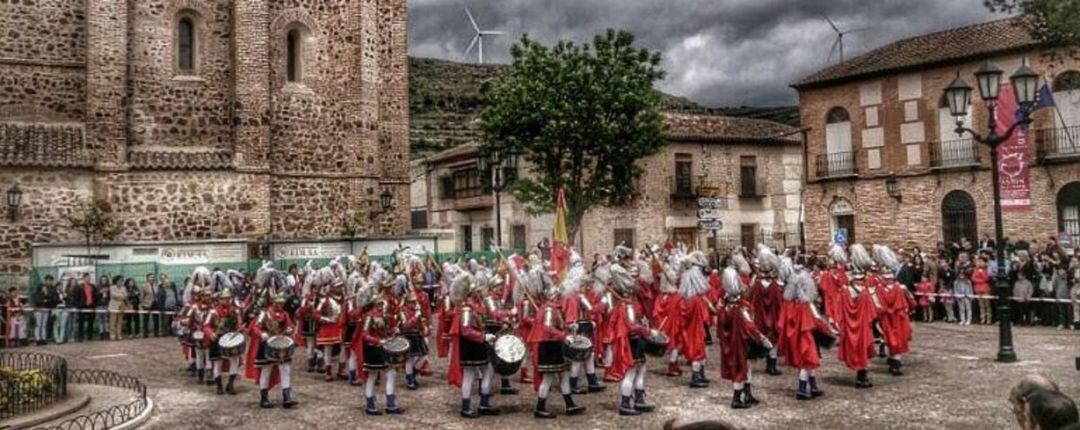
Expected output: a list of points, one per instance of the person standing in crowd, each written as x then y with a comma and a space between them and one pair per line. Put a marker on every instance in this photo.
86, 297
1023, 286
980, 280
545, 249
45, 300
1074, 292
167, 301
102, 306
148, 303
962, 288
69, 302
925, 289
117, 306
1060, 280
131, 308
16, 335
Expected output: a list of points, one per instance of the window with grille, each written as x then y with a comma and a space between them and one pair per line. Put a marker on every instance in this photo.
467, 183
958, 217
625, 237
1069, 211
446, 186
185, 44
419, 219
518, 238
748, 176
684, 171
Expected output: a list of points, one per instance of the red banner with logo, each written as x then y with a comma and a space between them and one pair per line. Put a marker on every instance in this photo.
1013, 156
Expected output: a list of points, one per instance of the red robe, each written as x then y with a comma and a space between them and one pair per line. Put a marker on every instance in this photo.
542, 333
446, 320
621, 329
473, 332
695, 316
255, 331
766, 301
856, 330
736, 327
830, 293
329, 333
221, 311
797, 346
668, 315
356, 344
895, 325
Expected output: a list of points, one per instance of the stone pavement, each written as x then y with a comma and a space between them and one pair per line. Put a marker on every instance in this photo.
952, 382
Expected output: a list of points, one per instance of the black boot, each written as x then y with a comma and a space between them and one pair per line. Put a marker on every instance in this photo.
750, 399
220, 389
506, 388
894, 367
485, 406
862, 380
466, 409
199, 375
640, 404
287, 401
410, 382
191, 368
391, 405
814, 390
696, 381
311, 364
264, 399
229, 387
625, 408
881, 350
803, 393
770, 366
738, 401
594, 383
575, 388
571, 407
370, 407
541, 409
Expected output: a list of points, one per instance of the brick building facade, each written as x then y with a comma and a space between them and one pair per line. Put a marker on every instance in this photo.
886, 164
753, 166
198, 119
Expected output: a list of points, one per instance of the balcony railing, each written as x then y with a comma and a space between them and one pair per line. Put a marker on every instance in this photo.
954, 153
836, 164
1058, 142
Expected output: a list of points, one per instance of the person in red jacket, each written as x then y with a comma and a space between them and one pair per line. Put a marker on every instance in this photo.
766, 294
668, 313
546, 342
696, 314
579, 309
629, 331
330, 315
799, 319
980, 278
378, 327
857, 310
735, 329
468, 353
269, 369
896, 302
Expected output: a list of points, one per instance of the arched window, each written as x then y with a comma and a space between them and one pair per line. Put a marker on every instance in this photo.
837, 115
1068, 204
958, 217
1066, 89
185, 45
843, 218
839, 158
293, 47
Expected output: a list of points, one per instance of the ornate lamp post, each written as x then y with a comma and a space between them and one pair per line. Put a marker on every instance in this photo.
499, 166
386, 201
14, 200
958, 96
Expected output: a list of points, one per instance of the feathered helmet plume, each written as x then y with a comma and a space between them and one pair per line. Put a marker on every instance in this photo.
837, 254
733, 286
738, 260
886, 257
769, 262
201, 276
861, 260
801, 288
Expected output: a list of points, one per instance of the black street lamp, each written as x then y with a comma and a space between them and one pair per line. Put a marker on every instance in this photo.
499, 165
14, 200
386, 201
958, 96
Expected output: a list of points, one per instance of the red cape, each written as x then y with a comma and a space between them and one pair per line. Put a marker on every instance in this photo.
621, 358
797, 346
669, 318
855, 323
695, 316
766, 301
734, 331
895, 325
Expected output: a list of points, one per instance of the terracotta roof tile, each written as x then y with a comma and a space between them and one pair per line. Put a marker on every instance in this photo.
175, 160
950, 46
717, 128
43, 145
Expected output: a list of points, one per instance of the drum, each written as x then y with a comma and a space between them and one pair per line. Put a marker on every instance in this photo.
232, 344
587, 328
577, 348
197, 339
507, 354
397, 349
280, 348
656, 344
755, 350
824, 340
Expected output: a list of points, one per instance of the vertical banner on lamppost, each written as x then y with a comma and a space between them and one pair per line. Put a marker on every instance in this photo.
1013, 155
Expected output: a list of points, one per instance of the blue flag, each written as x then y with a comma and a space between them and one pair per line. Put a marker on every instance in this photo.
1045, 98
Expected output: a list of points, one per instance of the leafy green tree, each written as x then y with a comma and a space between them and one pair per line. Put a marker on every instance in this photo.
94, 221
580, 115
1056, 22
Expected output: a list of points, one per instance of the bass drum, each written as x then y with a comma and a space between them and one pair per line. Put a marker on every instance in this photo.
656, 344
280, 348
232, 344
397, 350
577, 348
507, 354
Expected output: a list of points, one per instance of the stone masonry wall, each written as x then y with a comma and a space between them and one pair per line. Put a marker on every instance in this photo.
48, 197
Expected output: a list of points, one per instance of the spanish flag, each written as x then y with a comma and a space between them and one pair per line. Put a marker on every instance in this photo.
560, 239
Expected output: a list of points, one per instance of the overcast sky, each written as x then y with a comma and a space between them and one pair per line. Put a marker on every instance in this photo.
716, 52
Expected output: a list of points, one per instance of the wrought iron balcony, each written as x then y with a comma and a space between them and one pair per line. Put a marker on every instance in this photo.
1056, 143
954, 153
835, 165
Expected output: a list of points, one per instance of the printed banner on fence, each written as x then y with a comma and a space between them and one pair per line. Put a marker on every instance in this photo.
1013, 157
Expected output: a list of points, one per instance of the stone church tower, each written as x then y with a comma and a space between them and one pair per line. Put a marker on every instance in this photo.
198, 119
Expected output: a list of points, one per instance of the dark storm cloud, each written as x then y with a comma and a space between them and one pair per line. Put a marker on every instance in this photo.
717, 52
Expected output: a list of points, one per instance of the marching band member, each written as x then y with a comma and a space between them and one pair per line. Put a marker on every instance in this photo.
696, 315
468, 354
799, 318
578, 309
736, 328
629, 330
306, 315
857, 309
668, 311
414, 327
766, 294
199, 307
546, 341
330, 315
269, 369
221, 319
896, 302
380, 324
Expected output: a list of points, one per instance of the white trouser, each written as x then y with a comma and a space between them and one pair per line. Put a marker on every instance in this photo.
741, 385
468, 378
548, 379
806, 374
607, 355
201, 358
234, 366
329, 358
411, 364
351, 363
589, 364
264, 375
673, 356
373, 376
633, 380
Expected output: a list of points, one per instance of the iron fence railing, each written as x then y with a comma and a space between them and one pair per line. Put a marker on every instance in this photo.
30, 381
1058, 142
954, 153
835, 164
113, 415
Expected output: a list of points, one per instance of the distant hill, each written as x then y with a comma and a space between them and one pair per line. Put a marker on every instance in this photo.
444, 101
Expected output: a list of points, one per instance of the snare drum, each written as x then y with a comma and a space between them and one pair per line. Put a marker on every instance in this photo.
232, 344
507, 354
577, 348
397, 350
197, 338
656, 344
280, 349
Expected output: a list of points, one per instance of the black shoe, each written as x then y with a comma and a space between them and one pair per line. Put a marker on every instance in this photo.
640, 404
738, 401
594, 384
264, 399
696, 381
541, 410
287, 401
894, 367
311, 364
770, 366
571, 407
220, 388
626, 409
370, 409
862, 380
229, 387
750, 399
391, 405
506, 388
803, 393
199, 374
466, 409
814, 390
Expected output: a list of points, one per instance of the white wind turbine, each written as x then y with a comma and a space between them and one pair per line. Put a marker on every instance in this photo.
840, 39
478, 39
